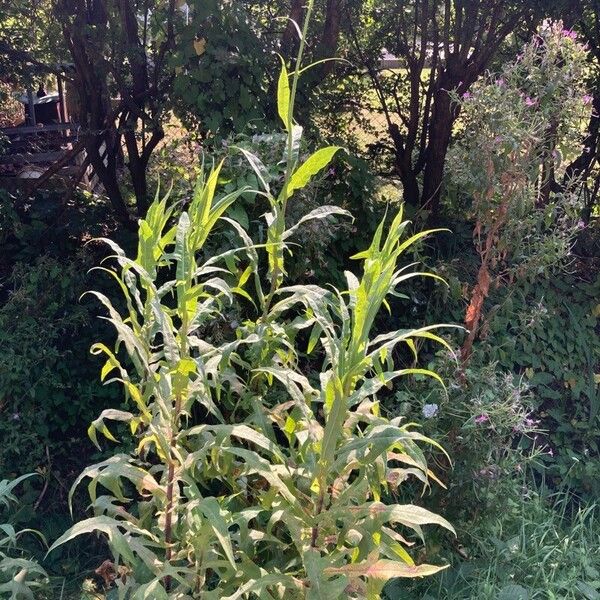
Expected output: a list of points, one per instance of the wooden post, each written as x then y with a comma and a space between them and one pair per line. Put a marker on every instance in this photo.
31, 105
64, 116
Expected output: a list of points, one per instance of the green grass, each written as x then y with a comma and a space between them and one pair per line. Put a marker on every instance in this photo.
545, 549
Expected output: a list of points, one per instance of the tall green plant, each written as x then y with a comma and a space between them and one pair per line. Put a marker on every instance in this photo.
254, 476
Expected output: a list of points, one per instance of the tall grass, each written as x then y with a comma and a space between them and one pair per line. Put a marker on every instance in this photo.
546, 548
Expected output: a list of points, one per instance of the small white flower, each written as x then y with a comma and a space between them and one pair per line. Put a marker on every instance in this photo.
430, 410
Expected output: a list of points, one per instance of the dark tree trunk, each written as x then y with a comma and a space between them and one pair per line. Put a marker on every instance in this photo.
410, 187
440, 132
328, 44
107, 175
290, 40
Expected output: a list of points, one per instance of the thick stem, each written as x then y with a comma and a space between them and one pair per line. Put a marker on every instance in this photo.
482, 287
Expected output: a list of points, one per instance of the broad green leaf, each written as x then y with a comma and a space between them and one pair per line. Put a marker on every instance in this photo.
213, 512
283, 95
307, 170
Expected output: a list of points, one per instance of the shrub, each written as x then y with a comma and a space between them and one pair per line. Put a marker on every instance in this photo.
18, 574
553, 344
255, 473
46, 383
521, 128
485, 420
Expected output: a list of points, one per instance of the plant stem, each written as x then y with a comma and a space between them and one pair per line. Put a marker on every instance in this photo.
170, 488
290, 161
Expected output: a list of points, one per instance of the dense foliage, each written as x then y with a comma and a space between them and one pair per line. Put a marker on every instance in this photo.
257, 476
282, 431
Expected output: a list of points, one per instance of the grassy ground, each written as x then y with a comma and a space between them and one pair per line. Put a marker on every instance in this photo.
546, 550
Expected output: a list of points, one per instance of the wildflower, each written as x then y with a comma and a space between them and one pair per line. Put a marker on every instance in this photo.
500, 82
580, 224
587, 99
482, 418
569, 33
550, 452
467, 95
530, 102
531, 422
430, 410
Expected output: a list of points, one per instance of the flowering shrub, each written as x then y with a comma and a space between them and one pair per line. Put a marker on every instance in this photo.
520, 130
486, 419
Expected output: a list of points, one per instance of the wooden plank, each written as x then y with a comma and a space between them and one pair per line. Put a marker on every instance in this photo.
66, 158
17, 146
41, 129
30, 159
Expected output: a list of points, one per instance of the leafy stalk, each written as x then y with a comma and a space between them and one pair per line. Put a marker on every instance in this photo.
252, 478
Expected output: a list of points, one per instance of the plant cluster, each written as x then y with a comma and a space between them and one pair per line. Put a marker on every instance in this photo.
255, 474
560, 316
520, 130
19, 576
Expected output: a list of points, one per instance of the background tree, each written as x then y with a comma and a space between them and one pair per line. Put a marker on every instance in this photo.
120, 54
440, 46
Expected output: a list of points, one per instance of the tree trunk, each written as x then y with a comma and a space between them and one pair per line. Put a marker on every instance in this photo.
440, 132
290, 40
109, 180
410, 188
328, 44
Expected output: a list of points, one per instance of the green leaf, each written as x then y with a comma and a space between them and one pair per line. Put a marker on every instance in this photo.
307, 170
283, 96
259, 168
319, 213
321, 588
513, 592
104, 524
212, 511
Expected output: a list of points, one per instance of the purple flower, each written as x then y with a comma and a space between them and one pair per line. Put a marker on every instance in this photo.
467, 95
531, 422
587, 99
530, 102
569, 33
483, 418
580, 224
500, 82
